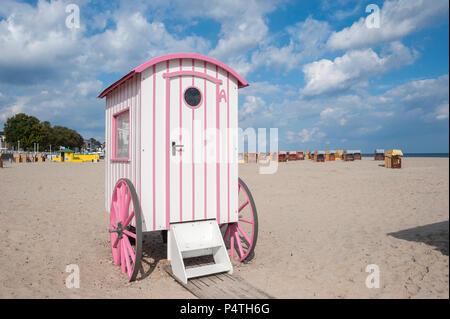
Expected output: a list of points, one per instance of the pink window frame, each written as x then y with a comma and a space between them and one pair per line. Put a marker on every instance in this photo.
114, 137
201, 98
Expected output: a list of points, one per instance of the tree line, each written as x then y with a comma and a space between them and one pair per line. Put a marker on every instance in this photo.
28, 130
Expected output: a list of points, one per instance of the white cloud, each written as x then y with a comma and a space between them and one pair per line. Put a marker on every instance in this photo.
243, 29
36, 45
306, 135
368, 130
135, 40
398, 19
441, 112
428, 98
352, 68
307, 41
87, 87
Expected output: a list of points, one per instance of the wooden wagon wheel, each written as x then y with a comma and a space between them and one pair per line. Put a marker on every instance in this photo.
126, 228
242, 235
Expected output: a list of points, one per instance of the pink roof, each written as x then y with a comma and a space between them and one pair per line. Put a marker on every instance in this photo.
241, 82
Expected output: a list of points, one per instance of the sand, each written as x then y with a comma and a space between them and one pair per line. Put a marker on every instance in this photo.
321, 224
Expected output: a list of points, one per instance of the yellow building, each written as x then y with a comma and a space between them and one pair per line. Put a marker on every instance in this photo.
67, 155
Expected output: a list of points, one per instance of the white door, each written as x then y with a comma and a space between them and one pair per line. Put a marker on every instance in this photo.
199, 176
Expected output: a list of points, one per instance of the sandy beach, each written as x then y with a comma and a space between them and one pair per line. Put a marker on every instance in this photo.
321, 224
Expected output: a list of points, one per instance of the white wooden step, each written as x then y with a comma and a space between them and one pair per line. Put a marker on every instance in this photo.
198, 246
206, 270
195, 239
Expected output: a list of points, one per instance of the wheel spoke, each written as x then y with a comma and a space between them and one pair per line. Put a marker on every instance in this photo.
238, 240
115, 210
130, 249
128, 233
232, 243
226, 234
122, 203
243, 205
245, 221
122, 257
116, 241
245, 235
127, 258
128, 219
128, 200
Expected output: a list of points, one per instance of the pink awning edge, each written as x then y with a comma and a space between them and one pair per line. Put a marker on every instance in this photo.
241, 82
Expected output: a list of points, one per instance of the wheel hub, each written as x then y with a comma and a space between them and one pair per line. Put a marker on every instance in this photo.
119, 230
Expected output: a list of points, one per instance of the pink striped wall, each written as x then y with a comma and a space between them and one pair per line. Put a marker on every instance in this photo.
127, 95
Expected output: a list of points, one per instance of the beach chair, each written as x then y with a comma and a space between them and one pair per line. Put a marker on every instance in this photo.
378, 154
319, 156
392, 158
292, 156
348, 156
252, 157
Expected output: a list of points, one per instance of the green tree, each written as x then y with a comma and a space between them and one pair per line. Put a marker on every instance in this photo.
24, 129
29, 130
64, 136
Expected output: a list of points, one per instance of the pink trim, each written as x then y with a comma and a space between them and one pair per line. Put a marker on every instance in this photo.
201, 97
154, 147
193, 151
116, 84
181, 150
191, 73
217, 148
129, 101
204, 148
228, 141
195, 56
135, 128
114, 138
167, 150
140, 141
193, 69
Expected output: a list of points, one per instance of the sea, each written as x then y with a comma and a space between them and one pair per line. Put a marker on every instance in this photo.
416, 155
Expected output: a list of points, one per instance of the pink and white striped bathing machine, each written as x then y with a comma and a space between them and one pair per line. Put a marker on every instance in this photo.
172, 165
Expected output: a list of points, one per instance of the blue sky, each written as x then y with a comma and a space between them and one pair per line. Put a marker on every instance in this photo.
317, 72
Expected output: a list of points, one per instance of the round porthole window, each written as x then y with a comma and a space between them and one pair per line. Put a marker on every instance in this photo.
192, 97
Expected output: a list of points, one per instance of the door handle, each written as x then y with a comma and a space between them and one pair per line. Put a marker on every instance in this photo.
174, 148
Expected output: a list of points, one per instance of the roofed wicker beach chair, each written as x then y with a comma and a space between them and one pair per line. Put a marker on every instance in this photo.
292, 156
319, 156
348, 156
282, 156
392, 159
357, 155
379, 154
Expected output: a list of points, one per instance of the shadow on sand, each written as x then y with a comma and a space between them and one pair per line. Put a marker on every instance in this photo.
154, 251
435, 235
